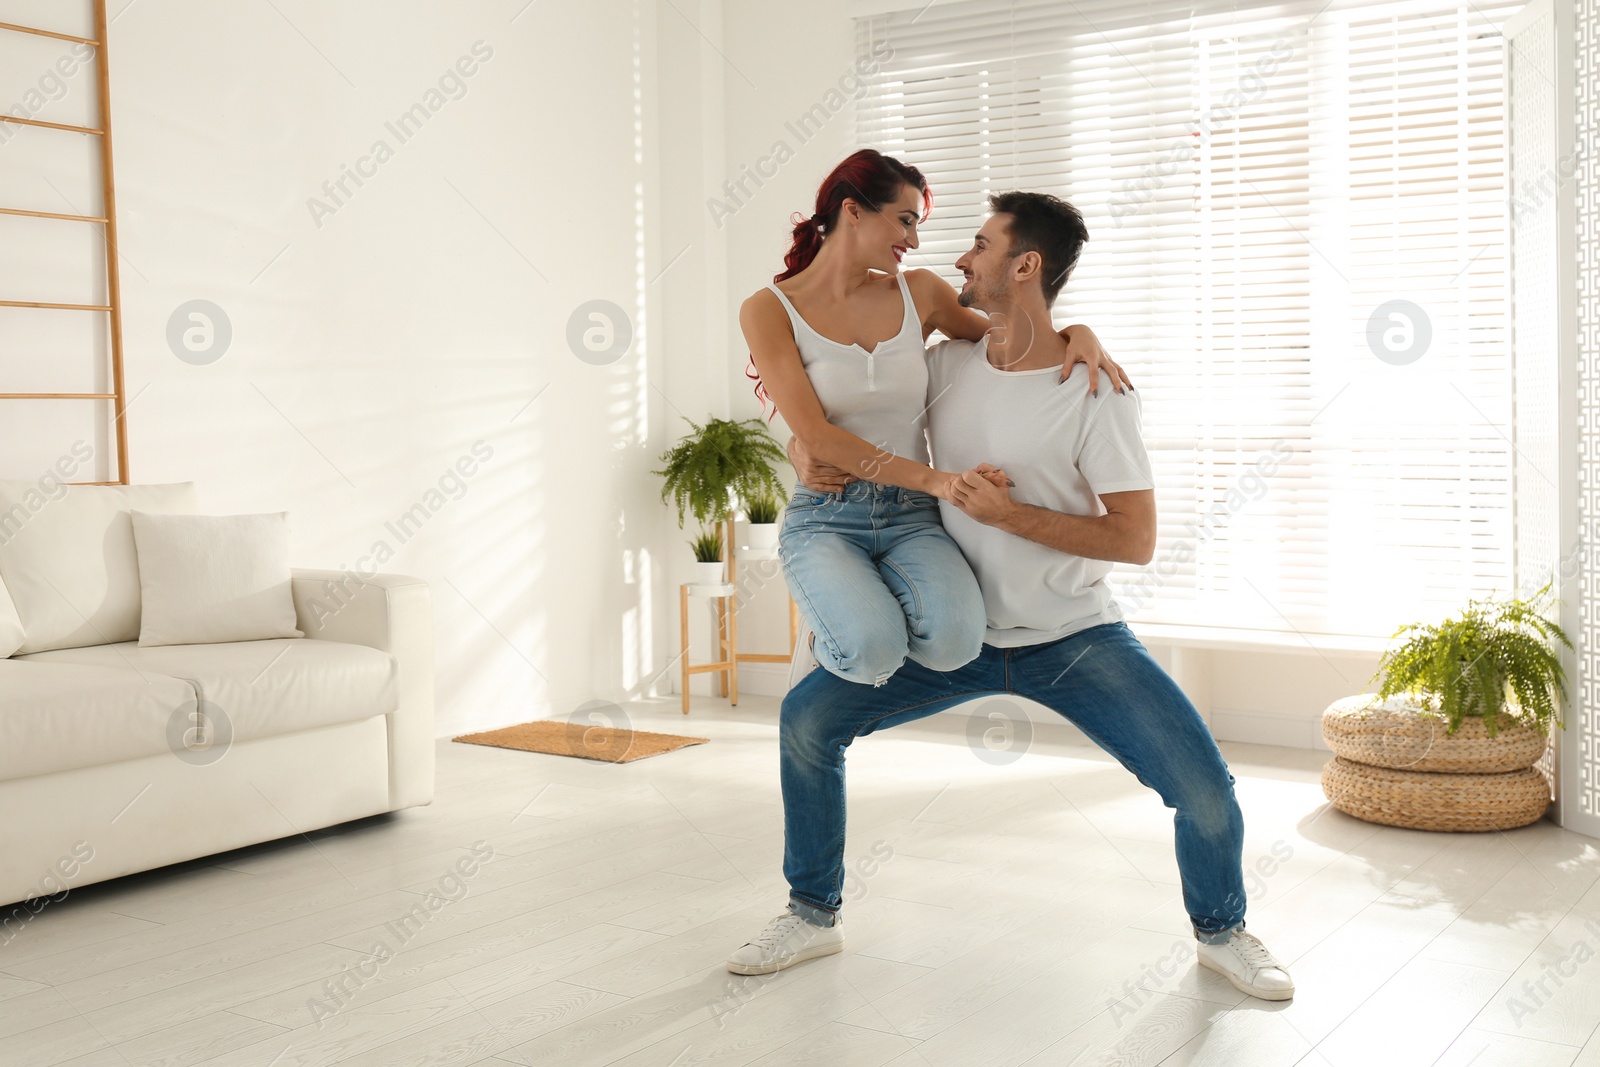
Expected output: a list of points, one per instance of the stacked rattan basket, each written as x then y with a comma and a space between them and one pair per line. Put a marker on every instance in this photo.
1395, 764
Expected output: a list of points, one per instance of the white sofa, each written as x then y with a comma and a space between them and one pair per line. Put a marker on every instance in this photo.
97, 777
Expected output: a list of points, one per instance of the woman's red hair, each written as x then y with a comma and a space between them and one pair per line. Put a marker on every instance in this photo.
872, 180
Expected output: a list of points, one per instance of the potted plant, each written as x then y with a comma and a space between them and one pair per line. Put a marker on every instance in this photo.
708, 472
707, 558
1464, 712
763, 515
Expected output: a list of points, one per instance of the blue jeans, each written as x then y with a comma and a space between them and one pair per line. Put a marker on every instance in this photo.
879, 581
1101, 679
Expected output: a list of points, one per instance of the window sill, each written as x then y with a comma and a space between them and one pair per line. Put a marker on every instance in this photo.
1224, 639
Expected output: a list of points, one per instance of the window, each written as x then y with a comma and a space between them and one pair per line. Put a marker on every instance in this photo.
1298, 235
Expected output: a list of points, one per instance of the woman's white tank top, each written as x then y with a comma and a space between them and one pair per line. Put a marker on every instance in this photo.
880, 396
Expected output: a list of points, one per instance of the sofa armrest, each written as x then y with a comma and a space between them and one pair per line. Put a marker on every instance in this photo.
391, 613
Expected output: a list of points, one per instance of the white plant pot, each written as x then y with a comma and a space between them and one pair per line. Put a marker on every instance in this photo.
763, 536
708, 573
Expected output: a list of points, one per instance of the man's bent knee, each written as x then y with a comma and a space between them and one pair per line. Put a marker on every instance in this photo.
1214, 815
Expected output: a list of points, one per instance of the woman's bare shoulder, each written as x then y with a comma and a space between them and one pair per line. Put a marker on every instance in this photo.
763, 311
924, 281
760, 300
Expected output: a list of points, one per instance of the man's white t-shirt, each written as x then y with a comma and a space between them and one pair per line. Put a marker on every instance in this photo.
1063, 448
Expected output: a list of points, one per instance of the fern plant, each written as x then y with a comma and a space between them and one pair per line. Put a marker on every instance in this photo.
1497, 658
707, 547
763, 509
721, 463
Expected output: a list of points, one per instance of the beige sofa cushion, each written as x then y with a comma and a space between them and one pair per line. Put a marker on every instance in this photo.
206, 579
10, 623
261, 688
59, 717
69, 560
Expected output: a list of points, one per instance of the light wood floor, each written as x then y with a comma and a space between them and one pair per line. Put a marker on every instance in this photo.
1025, 913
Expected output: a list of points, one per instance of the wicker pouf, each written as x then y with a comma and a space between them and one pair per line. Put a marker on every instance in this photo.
1431, 800
1392, 734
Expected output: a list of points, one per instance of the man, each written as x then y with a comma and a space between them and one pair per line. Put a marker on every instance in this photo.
1083, 500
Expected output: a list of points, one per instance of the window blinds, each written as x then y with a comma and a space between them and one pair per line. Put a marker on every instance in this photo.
1298, 229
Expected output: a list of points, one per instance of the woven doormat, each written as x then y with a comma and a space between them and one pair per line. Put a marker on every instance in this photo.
604, 743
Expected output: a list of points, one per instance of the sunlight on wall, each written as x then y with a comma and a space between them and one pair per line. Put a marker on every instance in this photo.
632, 424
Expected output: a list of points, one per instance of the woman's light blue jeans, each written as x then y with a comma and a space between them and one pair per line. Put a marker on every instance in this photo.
879, 581
1101, 679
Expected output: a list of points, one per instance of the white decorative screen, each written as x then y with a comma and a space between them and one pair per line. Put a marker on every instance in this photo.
1577, 565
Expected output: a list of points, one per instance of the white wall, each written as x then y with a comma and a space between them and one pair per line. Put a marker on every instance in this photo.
372, 348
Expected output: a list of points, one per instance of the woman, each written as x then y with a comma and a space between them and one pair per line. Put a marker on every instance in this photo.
838, 347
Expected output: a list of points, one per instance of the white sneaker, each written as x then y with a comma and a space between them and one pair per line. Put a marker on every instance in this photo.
803, 659
1245, 961
787, 940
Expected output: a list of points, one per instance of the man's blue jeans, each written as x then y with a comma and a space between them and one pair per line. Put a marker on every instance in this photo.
879, 580
1101, 679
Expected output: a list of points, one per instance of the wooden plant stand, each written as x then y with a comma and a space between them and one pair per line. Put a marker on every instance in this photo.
726, 596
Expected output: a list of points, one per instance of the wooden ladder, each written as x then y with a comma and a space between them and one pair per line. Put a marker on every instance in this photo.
113, 306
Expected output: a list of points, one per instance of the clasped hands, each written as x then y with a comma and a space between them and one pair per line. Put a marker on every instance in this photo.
982, 492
